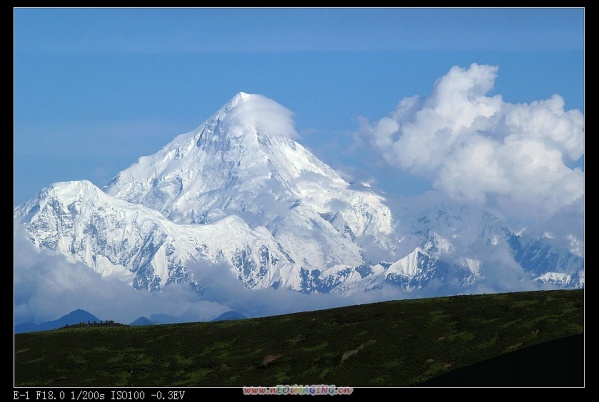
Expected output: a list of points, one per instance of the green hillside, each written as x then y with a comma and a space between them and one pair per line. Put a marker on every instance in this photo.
396, 343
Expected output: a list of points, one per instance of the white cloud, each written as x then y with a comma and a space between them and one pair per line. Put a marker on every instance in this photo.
478, 148
268, 116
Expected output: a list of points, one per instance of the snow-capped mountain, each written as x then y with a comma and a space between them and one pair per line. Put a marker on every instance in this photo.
241, 194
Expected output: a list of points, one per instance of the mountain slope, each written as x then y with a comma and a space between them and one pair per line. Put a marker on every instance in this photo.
397, 343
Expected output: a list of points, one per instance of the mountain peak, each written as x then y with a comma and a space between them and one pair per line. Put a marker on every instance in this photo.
251, 114
238, 99
244, 149
241, 96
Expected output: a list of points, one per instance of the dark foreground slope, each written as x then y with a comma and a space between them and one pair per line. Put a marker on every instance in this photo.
401, 343
557, 363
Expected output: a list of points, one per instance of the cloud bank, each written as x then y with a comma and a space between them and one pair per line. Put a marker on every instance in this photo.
46, 287
477, 148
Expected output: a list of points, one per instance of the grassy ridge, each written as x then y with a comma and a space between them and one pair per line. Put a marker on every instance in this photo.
394, 343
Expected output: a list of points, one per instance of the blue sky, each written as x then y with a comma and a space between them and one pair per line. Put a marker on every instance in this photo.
94, 89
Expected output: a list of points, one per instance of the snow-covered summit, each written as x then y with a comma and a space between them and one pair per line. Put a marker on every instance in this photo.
252, 113
244, 161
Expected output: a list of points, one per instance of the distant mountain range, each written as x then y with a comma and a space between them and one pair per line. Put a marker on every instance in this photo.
72, 318
240, 193
84, 317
